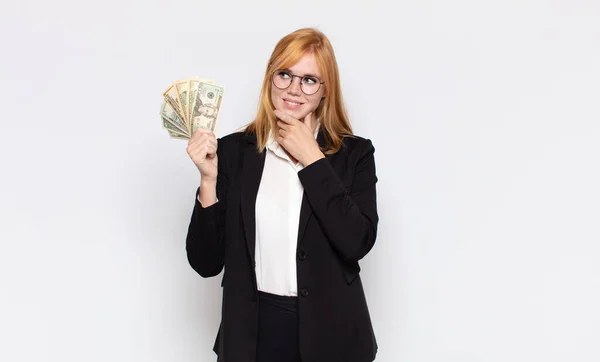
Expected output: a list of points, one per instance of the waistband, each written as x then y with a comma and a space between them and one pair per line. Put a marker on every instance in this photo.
278, 300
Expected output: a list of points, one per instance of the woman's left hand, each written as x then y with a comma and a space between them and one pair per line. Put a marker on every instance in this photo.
297, 137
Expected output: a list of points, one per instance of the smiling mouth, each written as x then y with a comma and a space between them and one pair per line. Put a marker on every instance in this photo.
292, 103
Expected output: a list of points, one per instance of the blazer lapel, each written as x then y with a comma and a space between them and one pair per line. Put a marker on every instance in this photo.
306, 210
252, 169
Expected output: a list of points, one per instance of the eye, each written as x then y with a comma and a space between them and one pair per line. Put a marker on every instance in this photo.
283, 74
310, 80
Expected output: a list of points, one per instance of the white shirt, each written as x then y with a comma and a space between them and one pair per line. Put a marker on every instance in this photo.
277, 208
277, 217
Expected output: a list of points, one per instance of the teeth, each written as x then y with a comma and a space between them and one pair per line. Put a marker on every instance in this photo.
292, 103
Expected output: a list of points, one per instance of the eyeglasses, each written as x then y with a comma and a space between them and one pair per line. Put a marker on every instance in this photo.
309, 84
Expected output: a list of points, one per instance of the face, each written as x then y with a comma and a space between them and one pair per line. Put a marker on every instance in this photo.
293, 100
207, 111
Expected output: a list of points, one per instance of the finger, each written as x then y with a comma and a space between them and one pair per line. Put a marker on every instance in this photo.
203, 137
196, 137
285, 117
211, 147
195, 151
283, 125
202, 130
208, 138
198, 145
204, 133
196, 140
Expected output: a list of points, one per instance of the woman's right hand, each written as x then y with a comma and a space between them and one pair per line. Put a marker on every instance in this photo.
202, 149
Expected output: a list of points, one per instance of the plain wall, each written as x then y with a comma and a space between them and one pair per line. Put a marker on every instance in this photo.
486, 124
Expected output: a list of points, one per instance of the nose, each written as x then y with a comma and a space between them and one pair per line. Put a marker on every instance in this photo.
294, 88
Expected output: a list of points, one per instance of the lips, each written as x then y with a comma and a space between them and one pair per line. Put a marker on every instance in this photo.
292, 103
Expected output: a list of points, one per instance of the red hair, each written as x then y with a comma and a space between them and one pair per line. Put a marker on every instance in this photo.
331, 112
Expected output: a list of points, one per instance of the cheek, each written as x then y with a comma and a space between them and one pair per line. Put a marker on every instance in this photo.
314, 103
275, 96
315, 100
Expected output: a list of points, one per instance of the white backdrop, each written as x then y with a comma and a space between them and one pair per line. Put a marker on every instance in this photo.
486, 125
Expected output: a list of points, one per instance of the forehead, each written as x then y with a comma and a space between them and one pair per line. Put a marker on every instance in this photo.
306, 65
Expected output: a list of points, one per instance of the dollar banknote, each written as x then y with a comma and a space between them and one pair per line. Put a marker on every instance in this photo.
207, 105
172, 129
170, 116
190, 104
182, 90
172, 98
194, 85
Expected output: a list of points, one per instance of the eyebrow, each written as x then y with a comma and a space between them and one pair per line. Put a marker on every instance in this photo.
305, 75
312, 75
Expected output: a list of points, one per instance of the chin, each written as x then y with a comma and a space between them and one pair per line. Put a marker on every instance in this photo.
291, 112
299, 114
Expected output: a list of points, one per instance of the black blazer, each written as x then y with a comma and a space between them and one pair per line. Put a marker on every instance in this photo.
337, 227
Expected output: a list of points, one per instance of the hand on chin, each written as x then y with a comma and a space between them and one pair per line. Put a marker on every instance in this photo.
296, 137
298, 114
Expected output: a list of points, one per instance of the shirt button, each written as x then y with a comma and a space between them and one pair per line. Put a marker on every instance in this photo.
304, 292
301, 255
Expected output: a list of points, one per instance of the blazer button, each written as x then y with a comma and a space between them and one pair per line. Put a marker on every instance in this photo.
301, 255
304, 292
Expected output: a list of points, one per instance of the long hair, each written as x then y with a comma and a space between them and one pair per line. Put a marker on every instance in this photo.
331, 112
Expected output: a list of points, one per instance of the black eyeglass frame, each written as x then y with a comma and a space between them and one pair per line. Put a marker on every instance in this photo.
292, 80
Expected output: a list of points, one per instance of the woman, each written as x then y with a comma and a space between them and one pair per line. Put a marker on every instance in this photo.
288, 207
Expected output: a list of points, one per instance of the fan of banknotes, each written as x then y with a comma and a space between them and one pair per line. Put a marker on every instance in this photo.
190, 104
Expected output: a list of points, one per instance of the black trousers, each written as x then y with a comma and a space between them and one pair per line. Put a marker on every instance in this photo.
277, 328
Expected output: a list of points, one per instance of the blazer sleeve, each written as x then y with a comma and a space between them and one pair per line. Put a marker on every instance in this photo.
205, 242
348, 216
